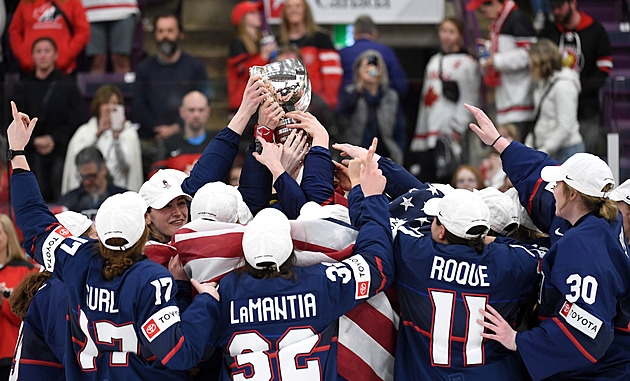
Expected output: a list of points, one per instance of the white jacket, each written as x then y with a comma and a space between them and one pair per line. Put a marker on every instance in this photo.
557, 126
119, 155
438, 115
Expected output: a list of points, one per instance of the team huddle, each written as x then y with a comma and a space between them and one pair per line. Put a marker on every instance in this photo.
531, 283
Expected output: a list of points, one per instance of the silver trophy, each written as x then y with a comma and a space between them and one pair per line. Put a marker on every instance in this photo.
288, 83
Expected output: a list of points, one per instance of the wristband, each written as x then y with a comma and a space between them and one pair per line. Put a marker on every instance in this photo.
496, 140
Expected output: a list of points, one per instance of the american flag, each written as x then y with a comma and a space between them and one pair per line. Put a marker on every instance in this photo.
367, 334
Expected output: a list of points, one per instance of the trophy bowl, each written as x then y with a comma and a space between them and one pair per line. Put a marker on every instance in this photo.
289, 85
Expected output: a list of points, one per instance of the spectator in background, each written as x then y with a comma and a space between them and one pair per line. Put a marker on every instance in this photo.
64, 22
55, 99
467, 177
557, 130
320, 57
112, 29
365, 35
507, 66
585, 48
451, 79
621, 196
182, 150
116, 138
163, 79
248, 49
13, 267
95, 186
372, 108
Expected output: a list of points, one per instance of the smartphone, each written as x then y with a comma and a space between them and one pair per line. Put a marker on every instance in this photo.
118, 117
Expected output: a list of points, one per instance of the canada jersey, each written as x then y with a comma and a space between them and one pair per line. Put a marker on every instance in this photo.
285, 329
441, 289
126, 328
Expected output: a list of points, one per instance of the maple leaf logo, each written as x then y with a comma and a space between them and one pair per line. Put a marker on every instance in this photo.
430, 97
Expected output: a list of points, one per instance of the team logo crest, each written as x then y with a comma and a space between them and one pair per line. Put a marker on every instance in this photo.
166, 184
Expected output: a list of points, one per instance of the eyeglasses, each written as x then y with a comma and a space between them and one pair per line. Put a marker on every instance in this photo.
87, 176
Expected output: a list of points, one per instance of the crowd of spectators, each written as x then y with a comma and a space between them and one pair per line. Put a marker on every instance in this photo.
545, 78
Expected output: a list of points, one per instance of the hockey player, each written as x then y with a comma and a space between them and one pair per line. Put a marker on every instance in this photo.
279, 321
584, 294
123, 323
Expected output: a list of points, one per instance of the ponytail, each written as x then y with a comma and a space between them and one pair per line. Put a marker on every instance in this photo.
23, 294
117, 261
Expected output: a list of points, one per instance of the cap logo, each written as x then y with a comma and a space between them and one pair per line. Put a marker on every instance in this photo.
568, 178
166, 184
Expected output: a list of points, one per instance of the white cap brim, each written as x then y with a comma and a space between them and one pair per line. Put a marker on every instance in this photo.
432, 206
552, 173
163, 199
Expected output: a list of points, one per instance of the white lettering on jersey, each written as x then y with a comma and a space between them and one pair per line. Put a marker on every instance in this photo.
462, 272
581, 319
160, 322
276, 308
52, 242
362, 275
100, 299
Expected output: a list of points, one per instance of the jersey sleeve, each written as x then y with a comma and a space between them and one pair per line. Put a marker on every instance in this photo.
317, 180
177, 339
576, 329
523, 166
215, 161
370, 270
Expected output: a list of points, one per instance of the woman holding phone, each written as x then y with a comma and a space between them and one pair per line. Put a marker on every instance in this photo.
113, 135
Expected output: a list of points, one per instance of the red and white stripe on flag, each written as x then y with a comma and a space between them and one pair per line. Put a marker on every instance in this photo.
367, 334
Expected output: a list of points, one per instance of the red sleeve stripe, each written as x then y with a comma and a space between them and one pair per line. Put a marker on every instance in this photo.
39, 362
574, 340
173, 351
531, 196
379, 263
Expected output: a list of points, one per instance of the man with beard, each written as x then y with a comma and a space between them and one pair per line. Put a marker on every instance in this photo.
182, 150
163, 79
95, 186
585, 47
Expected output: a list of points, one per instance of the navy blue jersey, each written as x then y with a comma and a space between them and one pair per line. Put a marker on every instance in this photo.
126, 328
584, 295
285, 329
442, 287
40, 348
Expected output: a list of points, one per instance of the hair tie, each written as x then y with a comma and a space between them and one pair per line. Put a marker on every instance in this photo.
496, 140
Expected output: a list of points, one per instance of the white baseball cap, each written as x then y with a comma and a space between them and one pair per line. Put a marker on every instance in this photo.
164, 186
76, 223
524, 220
583, 172
459, 211
313, 211
121, 216
504, 213
215, 201
621, 193
267, 239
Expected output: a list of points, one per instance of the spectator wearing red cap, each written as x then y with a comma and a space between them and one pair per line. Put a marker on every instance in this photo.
248, 49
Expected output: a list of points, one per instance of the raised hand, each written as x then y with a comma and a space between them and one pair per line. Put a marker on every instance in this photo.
343, 176
255, 93
270, 157
20, 130
372, 179
486, 130
270, 113
294, 150
312, 126
352, 151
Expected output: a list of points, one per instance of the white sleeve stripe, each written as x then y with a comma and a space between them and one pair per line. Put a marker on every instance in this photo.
604, 63
330, 56
332, 70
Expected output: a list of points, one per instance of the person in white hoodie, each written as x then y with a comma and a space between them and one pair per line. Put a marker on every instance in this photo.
557, 130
